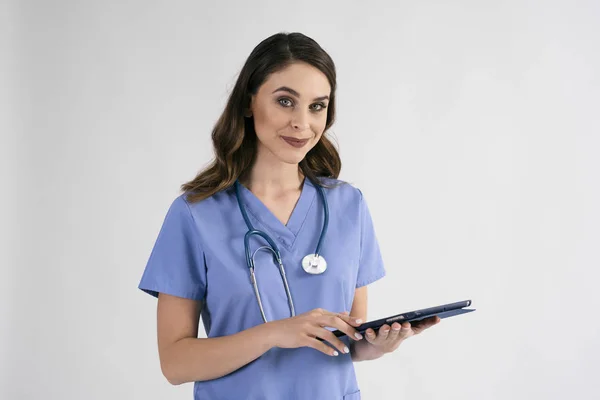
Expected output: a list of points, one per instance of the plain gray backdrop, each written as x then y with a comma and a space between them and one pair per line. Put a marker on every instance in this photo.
472, 127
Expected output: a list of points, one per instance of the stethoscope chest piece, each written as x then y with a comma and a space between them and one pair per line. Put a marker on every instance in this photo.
314, 264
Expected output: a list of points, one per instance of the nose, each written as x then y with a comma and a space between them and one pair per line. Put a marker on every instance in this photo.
300, 121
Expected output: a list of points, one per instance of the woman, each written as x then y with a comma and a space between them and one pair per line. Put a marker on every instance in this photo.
275, 171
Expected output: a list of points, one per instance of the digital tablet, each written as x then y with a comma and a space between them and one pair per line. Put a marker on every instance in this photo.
443, 311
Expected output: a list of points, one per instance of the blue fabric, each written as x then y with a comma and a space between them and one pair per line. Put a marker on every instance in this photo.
199, 254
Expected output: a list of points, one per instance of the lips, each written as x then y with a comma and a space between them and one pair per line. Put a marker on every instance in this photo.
297, 143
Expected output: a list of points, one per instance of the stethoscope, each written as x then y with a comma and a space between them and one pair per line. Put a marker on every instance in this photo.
312, 263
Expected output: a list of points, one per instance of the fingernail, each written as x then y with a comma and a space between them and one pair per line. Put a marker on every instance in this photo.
359, 321
358, 335
346, 349
335, 353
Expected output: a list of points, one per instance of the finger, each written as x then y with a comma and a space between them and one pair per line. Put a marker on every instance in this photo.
321, 346
334, 321
345, 316
342, 321
394, 332
333, 340
406, 330
383, 333
370, 336
426, 323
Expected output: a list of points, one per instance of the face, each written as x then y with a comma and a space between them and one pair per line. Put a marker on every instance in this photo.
290, 112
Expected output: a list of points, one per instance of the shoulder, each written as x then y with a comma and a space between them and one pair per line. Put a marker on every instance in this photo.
213, 209
179, 211
194, 202
179, 207
342, 191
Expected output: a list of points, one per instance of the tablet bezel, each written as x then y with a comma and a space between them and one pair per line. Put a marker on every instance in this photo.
443, 311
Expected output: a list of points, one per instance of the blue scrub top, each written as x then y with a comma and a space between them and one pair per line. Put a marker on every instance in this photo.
199, 254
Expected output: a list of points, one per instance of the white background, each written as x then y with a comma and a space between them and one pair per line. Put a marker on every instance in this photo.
471, 126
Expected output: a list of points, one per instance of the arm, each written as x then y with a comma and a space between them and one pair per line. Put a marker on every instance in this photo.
186, 358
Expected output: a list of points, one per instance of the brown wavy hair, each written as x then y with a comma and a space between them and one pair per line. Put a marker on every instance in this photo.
233, 136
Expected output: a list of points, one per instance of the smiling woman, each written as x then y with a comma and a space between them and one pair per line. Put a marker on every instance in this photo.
273, 180
282, 105
289, 122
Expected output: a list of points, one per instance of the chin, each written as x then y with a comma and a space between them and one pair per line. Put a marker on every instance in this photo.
291, 157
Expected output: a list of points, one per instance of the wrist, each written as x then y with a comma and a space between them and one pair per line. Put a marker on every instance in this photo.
267, 335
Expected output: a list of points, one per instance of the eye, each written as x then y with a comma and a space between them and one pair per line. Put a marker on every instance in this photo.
319, 107
283, 100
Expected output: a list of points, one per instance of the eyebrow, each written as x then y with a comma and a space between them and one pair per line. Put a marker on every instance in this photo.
292, 91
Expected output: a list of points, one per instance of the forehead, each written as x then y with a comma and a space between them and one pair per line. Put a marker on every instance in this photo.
307, 80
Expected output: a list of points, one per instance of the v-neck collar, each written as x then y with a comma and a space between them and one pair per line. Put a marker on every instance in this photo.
259, 213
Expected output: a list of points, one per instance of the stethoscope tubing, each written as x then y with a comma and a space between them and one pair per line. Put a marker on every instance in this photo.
274, 249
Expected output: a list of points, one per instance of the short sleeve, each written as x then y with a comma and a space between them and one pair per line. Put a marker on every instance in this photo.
176, 262
371, 267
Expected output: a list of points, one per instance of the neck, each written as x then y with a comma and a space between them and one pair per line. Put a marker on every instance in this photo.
270, 176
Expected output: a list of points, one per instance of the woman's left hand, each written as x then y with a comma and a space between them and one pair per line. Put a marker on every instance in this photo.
389, 338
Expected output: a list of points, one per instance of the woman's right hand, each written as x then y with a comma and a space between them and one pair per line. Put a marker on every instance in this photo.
304, 330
